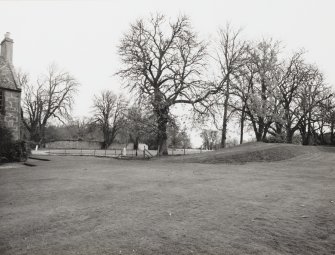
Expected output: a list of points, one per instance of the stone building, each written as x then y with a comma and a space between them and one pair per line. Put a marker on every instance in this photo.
10, 91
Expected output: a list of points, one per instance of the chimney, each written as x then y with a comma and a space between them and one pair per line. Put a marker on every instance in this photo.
7, 48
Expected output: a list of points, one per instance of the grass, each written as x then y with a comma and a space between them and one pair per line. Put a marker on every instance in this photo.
249, 152
87, 205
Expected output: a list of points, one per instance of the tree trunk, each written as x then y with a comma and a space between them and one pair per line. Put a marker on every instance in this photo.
34, 135
224, 129
289, 136
304, 135
42, 141
242, 124
162, 120
332, 135
225, 117
136, 142
106, 138
309, 128
161, 110
259, 132
258, 136
162, 137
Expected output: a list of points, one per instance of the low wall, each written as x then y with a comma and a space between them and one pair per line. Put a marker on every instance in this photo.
120, 146
129, 146
73, 145
95, 145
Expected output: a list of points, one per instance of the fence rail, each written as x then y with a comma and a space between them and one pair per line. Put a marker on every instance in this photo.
112, 152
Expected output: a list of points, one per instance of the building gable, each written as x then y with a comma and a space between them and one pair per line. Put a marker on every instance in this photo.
10, 91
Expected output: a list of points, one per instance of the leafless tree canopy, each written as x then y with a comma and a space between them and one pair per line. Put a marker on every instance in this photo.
231, 57
163, 62
52, 96
109, 113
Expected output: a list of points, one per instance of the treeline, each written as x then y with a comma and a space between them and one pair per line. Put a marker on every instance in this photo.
277, 96
164, 63
113, 119
132, 126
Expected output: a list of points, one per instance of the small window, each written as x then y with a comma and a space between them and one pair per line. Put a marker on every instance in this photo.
2, 101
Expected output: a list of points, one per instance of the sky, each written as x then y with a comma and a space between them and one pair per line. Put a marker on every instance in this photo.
82, 36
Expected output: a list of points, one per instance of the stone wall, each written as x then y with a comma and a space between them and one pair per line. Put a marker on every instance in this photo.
93, 145
73, 145
12, 117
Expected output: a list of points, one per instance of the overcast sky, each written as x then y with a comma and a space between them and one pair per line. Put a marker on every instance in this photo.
81, 36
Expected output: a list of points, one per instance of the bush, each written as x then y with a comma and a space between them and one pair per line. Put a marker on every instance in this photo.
274, 139
14, 151
32, 145
297, 139
11, 150
5, 134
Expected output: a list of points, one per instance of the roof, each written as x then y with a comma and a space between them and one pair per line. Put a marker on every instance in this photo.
8, 77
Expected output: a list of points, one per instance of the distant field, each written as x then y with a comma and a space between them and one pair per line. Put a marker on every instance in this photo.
194, 204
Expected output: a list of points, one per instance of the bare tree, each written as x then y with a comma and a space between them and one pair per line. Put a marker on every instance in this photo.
325, 120
295, 80
329, 116
313, 94
52, 96
209, 138
163, 63
178, 135
140, 124
288, 79
230, 56
255, 86
109, 113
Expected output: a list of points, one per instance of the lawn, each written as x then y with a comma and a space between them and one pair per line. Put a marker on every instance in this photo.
87, 205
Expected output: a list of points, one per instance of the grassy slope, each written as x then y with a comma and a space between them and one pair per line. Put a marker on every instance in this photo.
249, 152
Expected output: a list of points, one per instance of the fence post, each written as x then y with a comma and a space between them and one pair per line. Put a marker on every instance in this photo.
184, 150
105, 152
144, 153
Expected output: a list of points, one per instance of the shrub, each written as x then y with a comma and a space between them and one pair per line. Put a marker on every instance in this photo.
32, 145
12, 150
274, 139
5, 134
297, 139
